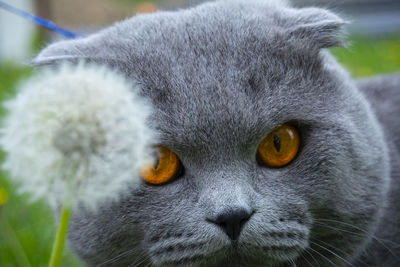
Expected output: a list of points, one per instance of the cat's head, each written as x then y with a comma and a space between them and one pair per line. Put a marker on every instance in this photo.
221, 77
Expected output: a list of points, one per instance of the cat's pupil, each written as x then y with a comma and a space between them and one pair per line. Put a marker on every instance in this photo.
157, 161
277, 142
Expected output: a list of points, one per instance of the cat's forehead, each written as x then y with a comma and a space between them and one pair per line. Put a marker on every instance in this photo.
223, 104
196, 45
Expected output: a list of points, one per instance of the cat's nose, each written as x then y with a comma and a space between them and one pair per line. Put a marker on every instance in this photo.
232, 221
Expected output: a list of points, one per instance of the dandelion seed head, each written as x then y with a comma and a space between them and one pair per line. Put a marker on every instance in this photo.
78, 130
77, 138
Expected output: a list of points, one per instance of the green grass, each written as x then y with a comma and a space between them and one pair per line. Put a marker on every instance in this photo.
27, 229
367, 58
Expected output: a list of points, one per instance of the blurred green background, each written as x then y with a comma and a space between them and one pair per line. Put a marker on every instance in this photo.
27, 229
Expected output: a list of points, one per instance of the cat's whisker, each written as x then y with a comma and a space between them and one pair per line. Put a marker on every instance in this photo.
333, 253
324, 257
139, 259
136, 265
303, 257
142, 258
309, 253
358, 228
119, 256
292, 263
336, 228
339, 250
354, 233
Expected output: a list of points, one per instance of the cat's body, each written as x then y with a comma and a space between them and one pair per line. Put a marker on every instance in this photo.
384, 95
221, 76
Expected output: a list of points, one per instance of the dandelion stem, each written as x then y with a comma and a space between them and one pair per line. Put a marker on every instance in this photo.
58, 246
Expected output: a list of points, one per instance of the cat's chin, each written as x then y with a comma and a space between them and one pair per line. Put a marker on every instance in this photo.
242, 255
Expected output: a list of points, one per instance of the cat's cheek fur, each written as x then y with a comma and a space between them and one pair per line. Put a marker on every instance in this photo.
113, 231
352, 185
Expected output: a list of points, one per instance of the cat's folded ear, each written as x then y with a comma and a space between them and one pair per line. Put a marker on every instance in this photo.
64, 50
99, 47
315, 28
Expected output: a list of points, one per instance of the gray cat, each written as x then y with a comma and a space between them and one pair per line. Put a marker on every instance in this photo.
221, 77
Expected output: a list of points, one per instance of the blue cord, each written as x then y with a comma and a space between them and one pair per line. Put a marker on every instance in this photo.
42, 22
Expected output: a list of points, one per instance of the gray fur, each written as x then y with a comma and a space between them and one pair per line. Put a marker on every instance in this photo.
221, 76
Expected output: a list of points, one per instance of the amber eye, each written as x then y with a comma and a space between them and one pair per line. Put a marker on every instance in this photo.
163, 170
279, 147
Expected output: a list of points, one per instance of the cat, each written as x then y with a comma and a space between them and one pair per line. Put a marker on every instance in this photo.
221, 76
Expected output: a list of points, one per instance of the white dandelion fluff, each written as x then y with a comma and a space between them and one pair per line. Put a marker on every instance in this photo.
77, 133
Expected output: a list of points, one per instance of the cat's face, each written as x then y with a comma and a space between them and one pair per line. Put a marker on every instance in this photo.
221, 77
